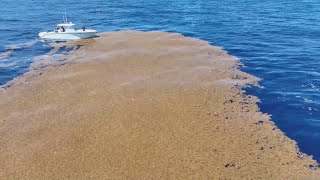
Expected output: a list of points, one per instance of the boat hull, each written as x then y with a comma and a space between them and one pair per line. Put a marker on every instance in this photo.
67, 35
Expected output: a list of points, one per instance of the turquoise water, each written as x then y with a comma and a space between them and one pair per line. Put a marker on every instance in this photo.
278, 41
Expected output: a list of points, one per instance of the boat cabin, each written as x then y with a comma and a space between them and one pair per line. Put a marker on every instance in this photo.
64, 26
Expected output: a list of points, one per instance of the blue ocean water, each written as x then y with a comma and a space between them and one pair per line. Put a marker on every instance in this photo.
278, 41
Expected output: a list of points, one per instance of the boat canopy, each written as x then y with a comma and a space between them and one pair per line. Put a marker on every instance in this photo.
66, 24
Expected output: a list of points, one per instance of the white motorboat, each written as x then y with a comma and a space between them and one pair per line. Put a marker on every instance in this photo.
65, 31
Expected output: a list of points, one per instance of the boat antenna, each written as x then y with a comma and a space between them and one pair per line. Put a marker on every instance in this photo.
65, 19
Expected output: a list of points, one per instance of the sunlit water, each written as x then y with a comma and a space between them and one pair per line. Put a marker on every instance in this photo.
278, 41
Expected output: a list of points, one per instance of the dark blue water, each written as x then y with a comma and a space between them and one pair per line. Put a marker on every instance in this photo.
278, 41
